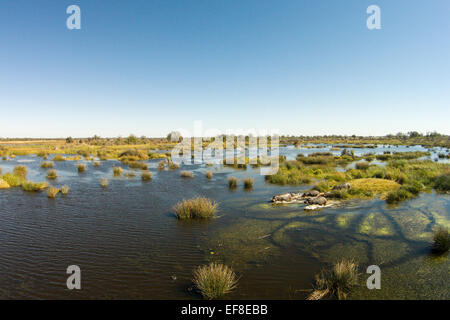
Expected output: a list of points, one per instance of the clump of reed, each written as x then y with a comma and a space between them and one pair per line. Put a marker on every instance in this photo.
12, 179
104, 182
96, 164
117, 171
65, 190
146, 176
136, 165
52, 192
441, 241
34, 186
47, 164
214, 280
81, 167
173, 166
20, 171
337, 282
52, 174
59, 157
161, 165
187, 174
248, 183
232, 182
196, 208
209, 174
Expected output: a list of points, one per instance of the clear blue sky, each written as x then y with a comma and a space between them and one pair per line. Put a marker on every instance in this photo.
147, 67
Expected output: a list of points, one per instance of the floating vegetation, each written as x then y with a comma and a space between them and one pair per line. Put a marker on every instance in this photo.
52, 192
65, 190
52, 174
337, 282
47, 164
146, 176
214, 280
196, 208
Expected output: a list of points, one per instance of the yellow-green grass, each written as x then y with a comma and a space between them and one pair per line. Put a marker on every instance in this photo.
104, 182
173, 166
47, 164
34, 186
20, 171
52, 192
52, 174
117, 171
13, 180
59, 157
372, 186
146, 176
196, 208
161, 165
4, 184
214, 280
65, 190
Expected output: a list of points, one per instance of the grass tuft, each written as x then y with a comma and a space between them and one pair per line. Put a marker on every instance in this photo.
187, 174
214, 280
117, 171
104, 183
47, 164
209, 174
146, 176
65, 190
81, 167
248, 183
232, 182
52, 192
51, 174
196, 208
441, 241
337, 282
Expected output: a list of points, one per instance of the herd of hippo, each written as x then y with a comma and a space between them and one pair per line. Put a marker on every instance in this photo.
313, 199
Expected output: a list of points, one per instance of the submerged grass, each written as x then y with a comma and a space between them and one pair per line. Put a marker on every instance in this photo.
196, 208
214, 280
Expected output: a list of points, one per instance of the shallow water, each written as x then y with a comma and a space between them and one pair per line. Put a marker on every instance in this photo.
129, 245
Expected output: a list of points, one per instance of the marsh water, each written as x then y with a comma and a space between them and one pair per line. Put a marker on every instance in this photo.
129, 245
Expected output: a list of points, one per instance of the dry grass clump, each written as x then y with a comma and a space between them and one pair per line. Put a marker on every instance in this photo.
146, 176
196, 208
187, 174
96, 164
337, 282
232, 182
161, 165
209, 174
214, 280
34, 186
173, 166
47, 164
52, 192
59, 157
81, 167
4, 184
248, 183
117, 171
441, 241
65, 190
51, 174
104, 183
